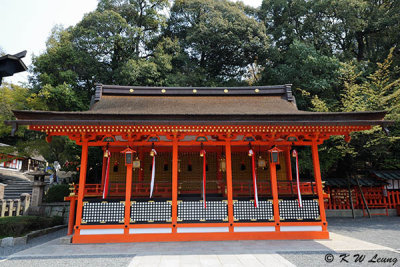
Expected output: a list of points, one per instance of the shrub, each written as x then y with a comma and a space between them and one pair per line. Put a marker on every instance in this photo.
56, 193
21, 225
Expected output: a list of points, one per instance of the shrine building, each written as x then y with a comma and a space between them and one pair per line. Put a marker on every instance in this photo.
197, 163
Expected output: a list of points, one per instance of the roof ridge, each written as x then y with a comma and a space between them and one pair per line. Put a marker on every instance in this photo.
121, 90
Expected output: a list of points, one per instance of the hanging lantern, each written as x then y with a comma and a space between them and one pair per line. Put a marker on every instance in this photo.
274, 155
261, 162
152, 151
106, 152
128, 156
222, 165
202, 151
136, 163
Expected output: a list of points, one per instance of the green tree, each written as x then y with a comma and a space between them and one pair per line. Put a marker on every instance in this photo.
380, 91
29, 143
61, 98
307, 69
218, 40
147, 17
116, 38
14, 97
349, 29
60, 64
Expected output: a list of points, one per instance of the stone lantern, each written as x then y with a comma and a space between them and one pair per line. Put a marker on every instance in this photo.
38, 187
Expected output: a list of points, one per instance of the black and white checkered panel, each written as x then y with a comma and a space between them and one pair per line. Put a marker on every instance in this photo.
290, 210
151, 211
244, 210
194, 211
104, 212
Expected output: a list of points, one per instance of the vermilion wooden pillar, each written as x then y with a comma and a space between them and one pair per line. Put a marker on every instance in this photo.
275, 198
229, 183
82, 181
318, 182
71, 217
174, 183
128, 192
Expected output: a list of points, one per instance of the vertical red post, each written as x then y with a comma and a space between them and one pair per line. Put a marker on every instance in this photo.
389, 201
174, 184
128, 192
318, 182
228, 155
274, 190
82, 181
71, 217
392, 197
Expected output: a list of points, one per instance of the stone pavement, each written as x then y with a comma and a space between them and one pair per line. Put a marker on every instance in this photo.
217, 253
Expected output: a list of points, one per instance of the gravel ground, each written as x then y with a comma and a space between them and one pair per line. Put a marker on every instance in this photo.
101, 260
380, 230
6, 251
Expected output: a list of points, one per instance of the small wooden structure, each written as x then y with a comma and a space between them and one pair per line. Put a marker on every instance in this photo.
10, 64
202, 144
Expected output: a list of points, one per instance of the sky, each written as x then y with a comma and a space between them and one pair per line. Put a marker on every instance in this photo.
26, 25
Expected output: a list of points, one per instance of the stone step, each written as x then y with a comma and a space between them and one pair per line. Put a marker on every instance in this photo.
17, 187
15, 191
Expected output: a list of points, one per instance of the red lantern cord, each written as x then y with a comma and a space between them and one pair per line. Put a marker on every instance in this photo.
203, 152
295, 155
153, 171
105, 189
253, 162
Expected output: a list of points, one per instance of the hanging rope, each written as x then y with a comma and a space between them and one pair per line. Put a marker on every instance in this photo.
106, 181
153, 171
295, 155
254, 169
203, 154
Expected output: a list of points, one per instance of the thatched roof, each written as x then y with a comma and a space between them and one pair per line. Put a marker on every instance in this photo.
129, 105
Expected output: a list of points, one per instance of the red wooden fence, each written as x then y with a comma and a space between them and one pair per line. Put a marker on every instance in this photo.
374, 196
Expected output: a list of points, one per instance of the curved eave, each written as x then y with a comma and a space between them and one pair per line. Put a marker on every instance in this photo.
201, 122
301, 118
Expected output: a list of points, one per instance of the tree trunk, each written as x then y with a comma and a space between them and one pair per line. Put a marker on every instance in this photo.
360, 46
